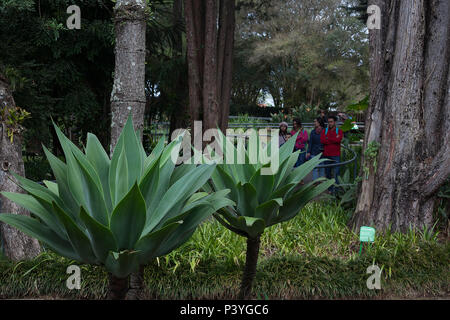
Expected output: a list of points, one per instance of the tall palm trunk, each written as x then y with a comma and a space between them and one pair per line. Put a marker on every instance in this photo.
128, 93
251, 261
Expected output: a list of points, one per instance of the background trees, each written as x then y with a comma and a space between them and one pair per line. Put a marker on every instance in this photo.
312, 52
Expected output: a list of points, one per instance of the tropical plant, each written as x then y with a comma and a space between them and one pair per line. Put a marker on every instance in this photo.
262, 200
120, 212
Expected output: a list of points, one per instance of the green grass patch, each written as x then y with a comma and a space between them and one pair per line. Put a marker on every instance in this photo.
312, 256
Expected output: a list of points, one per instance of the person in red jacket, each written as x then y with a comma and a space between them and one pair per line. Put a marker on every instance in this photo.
300, 142
331, 139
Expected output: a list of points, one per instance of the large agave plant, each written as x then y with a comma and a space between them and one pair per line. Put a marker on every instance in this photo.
120, 212
262, 200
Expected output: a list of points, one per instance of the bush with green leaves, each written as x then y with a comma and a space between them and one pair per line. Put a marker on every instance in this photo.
263, 200
120, 212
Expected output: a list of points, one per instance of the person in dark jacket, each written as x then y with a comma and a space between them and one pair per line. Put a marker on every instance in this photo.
315, 147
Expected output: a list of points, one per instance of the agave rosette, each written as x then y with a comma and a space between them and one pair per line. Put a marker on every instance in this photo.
120, 212
264, 200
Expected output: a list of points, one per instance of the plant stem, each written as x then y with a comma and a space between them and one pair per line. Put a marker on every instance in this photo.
251, 261
136, 284
118, 287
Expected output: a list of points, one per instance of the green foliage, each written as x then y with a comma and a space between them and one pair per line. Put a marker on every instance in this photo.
120, 212
13, 118
301, 55
370, 155
264, 200
314, 255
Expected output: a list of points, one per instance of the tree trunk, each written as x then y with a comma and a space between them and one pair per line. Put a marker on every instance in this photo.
128, 93
135, 291
408, 115
251, 261
16, 245
210, 41
117, 287
180, 114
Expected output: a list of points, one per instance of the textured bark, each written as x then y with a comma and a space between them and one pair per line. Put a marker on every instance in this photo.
225, 59
179, 117
118, 288
408, 114
210, 26
128, 93
251, 261
16, 245
136, 288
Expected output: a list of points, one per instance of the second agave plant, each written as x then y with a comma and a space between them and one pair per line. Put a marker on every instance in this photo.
119, 213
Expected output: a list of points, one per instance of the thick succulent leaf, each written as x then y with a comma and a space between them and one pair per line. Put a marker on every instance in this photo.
37, 230
122, 264
156, 153
102, 239
42, 212
121, 178
59, 169
39, 192
250, 225
52, 186
268, 210
165, 171
93, 196
35, 188
283, 191
298, 200
191, 221
285, 169
287, 148
299, 173
149, 245
80, 242
131, 145
118, 151
247, 200
149, 186
179, 193
99, 159
181, 171
263, 185
71, 151
222, 180
128, 219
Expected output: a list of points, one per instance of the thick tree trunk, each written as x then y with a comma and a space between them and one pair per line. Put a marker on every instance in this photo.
251, 261
118, 288
128, 93
210, 26
409, 114
16, 245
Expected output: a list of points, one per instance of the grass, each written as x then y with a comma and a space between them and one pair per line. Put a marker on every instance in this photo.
312, 256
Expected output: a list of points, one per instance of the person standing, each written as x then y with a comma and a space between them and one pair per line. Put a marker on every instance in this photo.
331, 139
323, 117
302, 139
283, 134
315, 147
